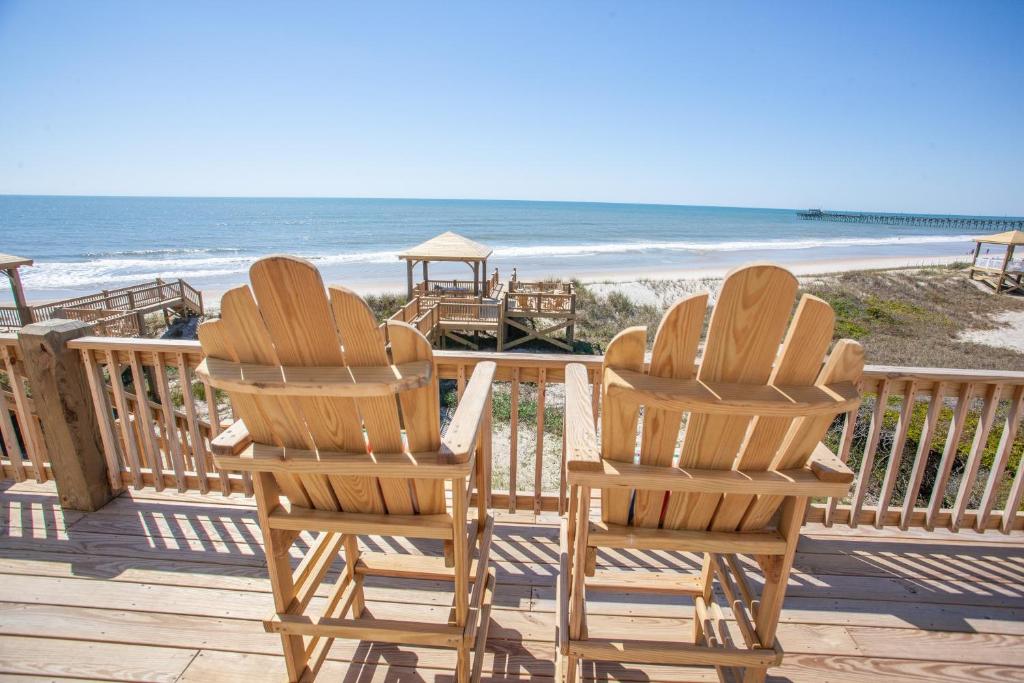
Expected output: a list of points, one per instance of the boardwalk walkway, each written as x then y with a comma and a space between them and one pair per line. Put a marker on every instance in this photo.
171, 587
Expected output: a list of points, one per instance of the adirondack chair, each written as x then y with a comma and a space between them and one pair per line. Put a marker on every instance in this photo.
750, 458
322, 411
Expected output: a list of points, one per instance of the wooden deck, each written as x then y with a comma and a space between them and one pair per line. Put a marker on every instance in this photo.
171, 587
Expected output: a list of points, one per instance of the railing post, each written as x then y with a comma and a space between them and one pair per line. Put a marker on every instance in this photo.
63, 403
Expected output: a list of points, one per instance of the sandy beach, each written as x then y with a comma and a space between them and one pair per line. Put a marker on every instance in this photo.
637, 283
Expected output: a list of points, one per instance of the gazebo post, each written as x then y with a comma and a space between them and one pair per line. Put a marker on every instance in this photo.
426, 274
476, 278
1002, 273
408, 271
977, 252
484, 277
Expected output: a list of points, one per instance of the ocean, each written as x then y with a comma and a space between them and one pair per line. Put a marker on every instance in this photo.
84, 244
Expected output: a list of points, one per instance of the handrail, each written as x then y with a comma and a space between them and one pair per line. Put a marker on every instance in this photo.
931, 447
128, 299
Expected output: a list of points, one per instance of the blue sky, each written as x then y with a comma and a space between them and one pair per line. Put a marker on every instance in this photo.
915, 106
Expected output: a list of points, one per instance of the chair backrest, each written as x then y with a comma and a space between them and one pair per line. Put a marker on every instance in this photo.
286, 321
743, 370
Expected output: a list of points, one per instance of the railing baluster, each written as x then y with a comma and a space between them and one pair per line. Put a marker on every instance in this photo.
214, 416
896, 454
461, 380
956, 428
513, 443
538, 469
105, 418
144, 421
29, 436
10, 439
195, 435
924, 446
987, 418
121, 403
845, 443
1010, 426
163, 390
868, 461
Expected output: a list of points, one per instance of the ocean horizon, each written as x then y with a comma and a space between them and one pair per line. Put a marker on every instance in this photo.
84, 244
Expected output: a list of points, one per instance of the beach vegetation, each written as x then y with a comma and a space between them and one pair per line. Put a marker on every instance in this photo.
602, 316
385, 304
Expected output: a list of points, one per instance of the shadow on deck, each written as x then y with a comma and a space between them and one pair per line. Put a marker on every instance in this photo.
170, 586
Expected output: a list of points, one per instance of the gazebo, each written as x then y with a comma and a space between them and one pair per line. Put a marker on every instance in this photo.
448, 246
1001, 271
9, 265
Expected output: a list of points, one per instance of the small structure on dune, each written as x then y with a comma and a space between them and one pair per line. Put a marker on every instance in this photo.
1000, 271
453, 310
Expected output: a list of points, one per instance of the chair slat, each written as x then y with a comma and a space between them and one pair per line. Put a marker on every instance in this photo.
799, 363
675, 348
744, 334
421, 411
364, 347
294, 306
619, 419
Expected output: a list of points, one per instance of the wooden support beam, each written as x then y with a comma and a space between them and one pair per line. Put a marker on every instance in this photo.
63, 403
24, 311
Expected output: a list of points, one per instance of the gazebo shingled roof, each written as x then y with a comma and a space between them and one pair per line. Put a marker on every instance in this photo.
448, 246
1014, 237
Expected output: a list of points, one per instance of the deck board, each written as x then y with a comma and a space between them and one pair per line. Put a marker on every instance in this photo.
164, 586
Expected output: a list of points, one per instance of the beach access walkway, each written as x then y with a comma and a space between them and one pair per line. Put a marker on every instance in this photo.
113, 311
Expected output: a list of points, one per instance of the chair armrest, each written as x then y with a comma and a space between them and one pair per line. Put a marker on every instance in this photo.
459, 441
827, 466
581, 451
232, 440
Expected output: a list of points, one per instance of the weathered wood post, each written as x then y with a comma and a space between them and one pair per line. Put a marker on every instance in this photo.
60, 392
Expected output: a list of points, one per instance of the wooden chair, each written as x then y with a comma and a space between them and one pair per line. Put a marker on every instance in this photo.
323, 407
755, 414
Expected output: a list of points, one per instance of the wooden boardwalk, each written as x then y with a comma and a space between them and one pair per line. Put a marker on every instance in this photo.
171, 587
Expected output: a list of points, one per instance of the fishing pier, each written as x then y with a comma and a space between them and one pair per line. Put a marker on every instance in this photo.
966, 222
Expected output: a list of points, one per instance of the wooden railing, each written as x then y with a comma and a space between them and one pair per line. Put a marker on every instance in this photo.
455, 287
22, 447
117, 303
468, 311
9, 317
536, 304
932, 448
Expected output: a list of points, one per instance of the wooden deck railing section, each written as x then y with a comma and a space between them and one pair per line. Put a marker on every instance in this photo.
21, 439
114, 311
455, 287
933, 448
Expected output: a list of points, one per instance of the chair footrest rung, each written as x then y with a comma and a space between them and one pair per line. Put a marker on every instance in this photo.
645, 582
363, 524
664, 652
409, 567
604, 535
367, 628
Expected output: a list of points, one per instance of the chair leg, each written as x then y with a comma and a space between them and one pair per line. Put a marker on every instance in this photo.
462, 666
351, 557
276, 544
707, 576
755, 675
